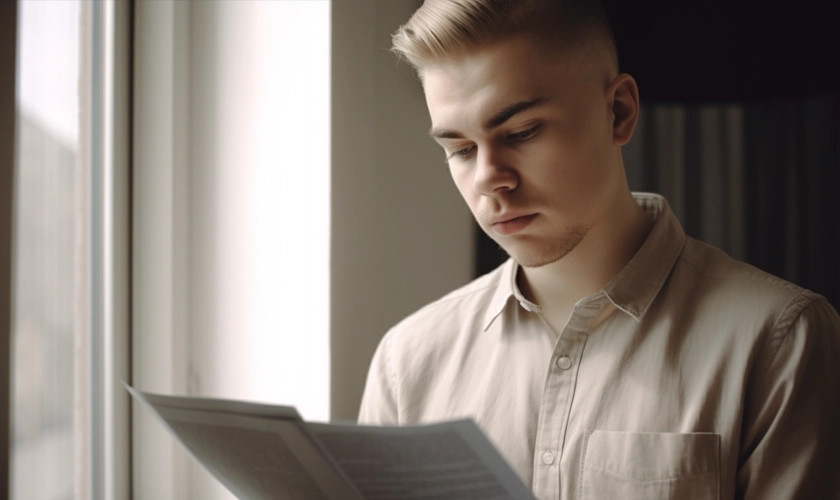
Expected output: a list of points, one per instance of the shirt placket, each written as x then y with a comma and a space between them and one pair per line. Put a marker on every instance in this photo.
557, 398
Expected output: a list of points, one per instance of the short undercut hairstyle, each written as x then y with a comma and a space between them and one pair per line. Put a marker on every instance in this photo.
446, 29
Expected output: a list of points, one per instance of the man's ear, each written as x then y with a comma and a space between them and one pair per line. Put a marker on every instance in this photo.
623, 94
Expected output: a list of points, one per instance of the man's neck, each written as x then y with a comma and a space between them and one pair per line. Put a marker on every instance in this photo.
602, 254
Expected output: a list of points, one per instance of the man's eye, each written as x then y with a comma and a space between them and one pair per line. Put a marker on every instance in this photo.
462, 153
525, 134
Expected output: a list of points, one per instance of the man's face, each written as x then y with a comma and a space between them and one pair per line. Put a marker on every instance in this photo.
529, 141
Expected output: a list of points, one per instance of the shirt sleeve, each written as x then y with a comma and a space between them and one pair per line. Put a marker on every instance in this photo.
379, 400
791, 433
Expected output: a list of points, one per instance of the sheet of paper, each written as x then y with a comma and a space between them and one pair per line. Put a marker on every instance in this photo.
448, 461
256, 451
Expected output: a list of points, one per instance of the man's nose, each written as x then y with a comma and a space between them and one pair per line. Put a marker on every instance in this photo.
494, 173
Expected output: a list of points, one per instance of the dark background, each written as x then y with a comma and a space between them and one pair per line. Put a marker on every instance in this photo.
700, 52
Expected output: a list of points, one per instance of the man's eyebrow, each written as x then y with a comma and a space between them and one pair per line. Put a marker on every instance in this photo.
510, 111
494, 121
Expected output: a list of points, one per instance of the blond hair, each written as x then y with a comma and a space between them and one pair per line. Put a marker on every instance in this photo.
444, 29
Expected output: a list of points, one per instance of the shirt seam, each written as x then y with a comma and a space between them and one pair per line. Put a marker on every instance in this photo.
792, 311
784, 325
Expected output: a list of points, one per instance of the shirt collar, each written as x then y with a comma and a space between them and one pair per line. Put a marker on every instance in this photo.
637, 285
634, 288
507, 285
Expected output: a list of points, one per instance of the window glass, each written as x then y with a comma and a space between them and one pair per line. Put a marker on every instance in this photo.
51, 353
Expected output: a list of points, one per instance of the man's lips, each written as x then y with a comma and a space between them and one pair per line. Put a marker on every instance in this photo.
511, 224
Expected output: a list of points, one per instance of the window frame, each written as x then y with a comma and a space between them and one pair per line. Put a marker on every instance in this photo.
111, 246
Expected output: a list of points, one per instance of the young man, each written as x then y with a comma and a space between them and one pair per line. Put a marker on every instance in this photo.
611, 356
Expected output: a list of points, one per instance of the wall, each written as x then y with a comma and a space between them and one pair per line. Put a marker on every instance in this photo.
401, 235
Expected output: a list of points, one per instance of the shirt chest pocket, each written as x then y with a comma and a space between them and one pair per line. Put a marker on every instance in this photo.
650, 466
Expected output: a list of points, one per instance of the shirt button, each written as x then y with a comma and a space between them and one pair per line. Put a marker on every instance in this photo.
548, 458
564, 363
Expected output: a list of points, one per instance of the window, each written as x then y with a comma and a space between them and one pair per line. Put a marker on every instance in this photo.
69, 425
51, 387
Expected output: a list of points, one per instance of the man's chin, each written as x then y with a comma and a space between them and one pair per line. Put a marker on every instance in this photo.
533, 261
532, 256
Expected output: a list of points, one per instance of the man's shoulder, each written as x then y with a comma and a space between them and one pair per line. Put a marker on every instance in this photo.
714, 277
461, 310
714, 264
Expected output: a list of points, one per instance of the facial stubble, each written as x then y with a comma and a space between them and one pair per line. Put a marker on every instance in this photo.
534, 256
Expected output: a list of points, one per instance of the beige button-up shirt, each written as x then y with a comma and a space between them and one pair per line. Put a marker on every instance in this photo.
711, 379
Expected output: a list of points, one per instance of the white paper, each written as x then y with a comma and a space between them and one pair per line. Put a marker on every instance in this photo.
446, 461
268, 452
257, 451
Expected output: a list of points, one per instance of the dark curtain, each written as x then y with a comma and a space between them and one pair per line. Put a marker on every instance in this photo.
760, 181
